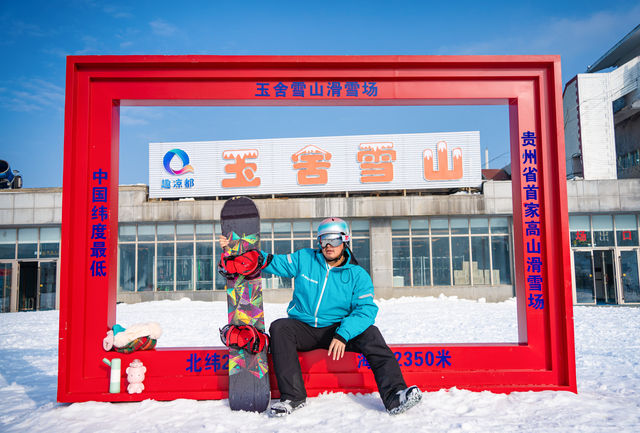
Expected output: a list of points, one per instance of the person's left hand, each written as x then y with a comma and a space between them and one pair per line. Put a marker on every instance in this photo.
337, 348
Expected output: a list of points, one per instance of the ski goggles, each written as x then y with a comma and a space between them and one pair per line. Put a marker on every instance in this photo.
335, 240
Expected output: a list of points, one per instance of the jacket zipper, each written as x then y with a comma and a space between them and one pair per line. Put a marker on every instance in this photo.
326, 278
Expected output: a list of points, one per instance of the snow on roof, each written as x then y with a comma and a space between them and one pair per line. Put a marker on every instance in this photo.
242, 153
376, 146
311, 149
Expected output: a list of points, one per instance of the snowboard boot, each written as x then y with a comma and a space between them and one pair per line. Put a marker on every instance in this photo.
405, 400
283, 408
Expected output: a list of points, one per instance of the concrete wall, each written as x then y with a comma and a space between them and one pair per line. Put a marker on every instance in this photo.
34, 206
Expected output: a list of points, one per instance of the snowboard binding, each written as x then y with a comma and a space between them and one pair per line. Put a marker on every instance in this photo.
245, 337
248, 264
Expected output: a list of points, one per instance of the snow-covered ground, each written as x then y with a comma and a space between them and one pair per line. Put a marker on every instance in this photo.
607, 357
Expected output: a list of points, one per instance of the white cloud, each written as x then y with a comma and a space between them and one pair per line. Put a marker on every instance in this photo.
117, 13
161, 27
33, 95
133, 116
565, 36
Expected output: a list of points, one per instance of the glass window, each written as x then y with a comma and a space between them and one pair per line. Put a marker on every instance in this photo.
401, 263
220, 281
580, 230
267, 278
146, 254
314, 227
281, 230
146, 232
360, 228
440, 258
184, 232
299, 244
459, 226
50, 234
362, 252
461, 265
302, 235
127, 233
204, 231
266, 245
499, 225
184, 266
49, 242
602, 230
164, 268
166, 232
439, 226
400, 228
419, 227
479, 226
302, 229
265, 230
626, 230
204, 266
28, 243
49, 250
421, 263
7, 243
480, 266
281, 247
501, 265
127, 267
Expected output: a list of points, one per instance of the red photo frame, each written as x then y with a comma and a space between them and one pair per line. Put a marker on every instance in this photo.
542, 359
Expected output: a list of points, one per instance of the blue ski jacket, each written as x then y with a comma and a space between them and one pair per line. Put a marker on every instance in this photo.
325, 295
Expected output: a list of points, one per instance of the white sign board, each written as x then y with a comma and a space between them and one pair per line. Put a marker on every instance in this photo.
315, 164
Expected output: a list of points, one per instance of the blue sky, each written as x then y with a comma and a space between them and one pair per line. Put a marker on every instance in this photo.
36, 36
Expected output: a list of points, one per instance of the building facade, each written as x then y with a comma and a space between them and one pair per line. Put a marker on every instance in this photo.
412, 244
602, 115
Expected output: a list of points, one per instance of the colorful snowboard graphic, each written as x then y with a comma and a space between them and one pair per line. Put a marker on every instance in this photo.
248, 373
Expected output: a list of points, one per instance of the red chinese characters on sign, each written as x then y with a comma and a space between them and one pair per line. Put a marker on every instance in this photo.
245, 172
312, 164
376, 162
581, 236
443, 172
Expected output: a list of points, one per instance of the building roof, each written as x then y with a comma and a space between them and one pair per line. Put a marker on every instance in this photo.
626, 49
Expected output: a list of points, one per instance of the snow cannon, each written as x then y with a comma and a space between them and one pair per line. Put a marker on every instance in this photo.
9, 179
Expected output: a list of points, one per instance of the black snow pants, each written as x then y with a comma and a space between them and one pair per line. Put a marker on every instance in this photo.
290, 336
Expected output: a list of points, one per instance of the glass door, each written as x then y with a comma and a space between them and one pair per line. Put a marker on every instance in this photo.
584, 282
5, 286
604, 277
629, 276
28, 286
47, 286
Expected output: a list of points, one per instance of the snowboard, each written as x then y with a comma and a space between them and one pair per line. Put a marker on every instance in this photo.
248, 373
